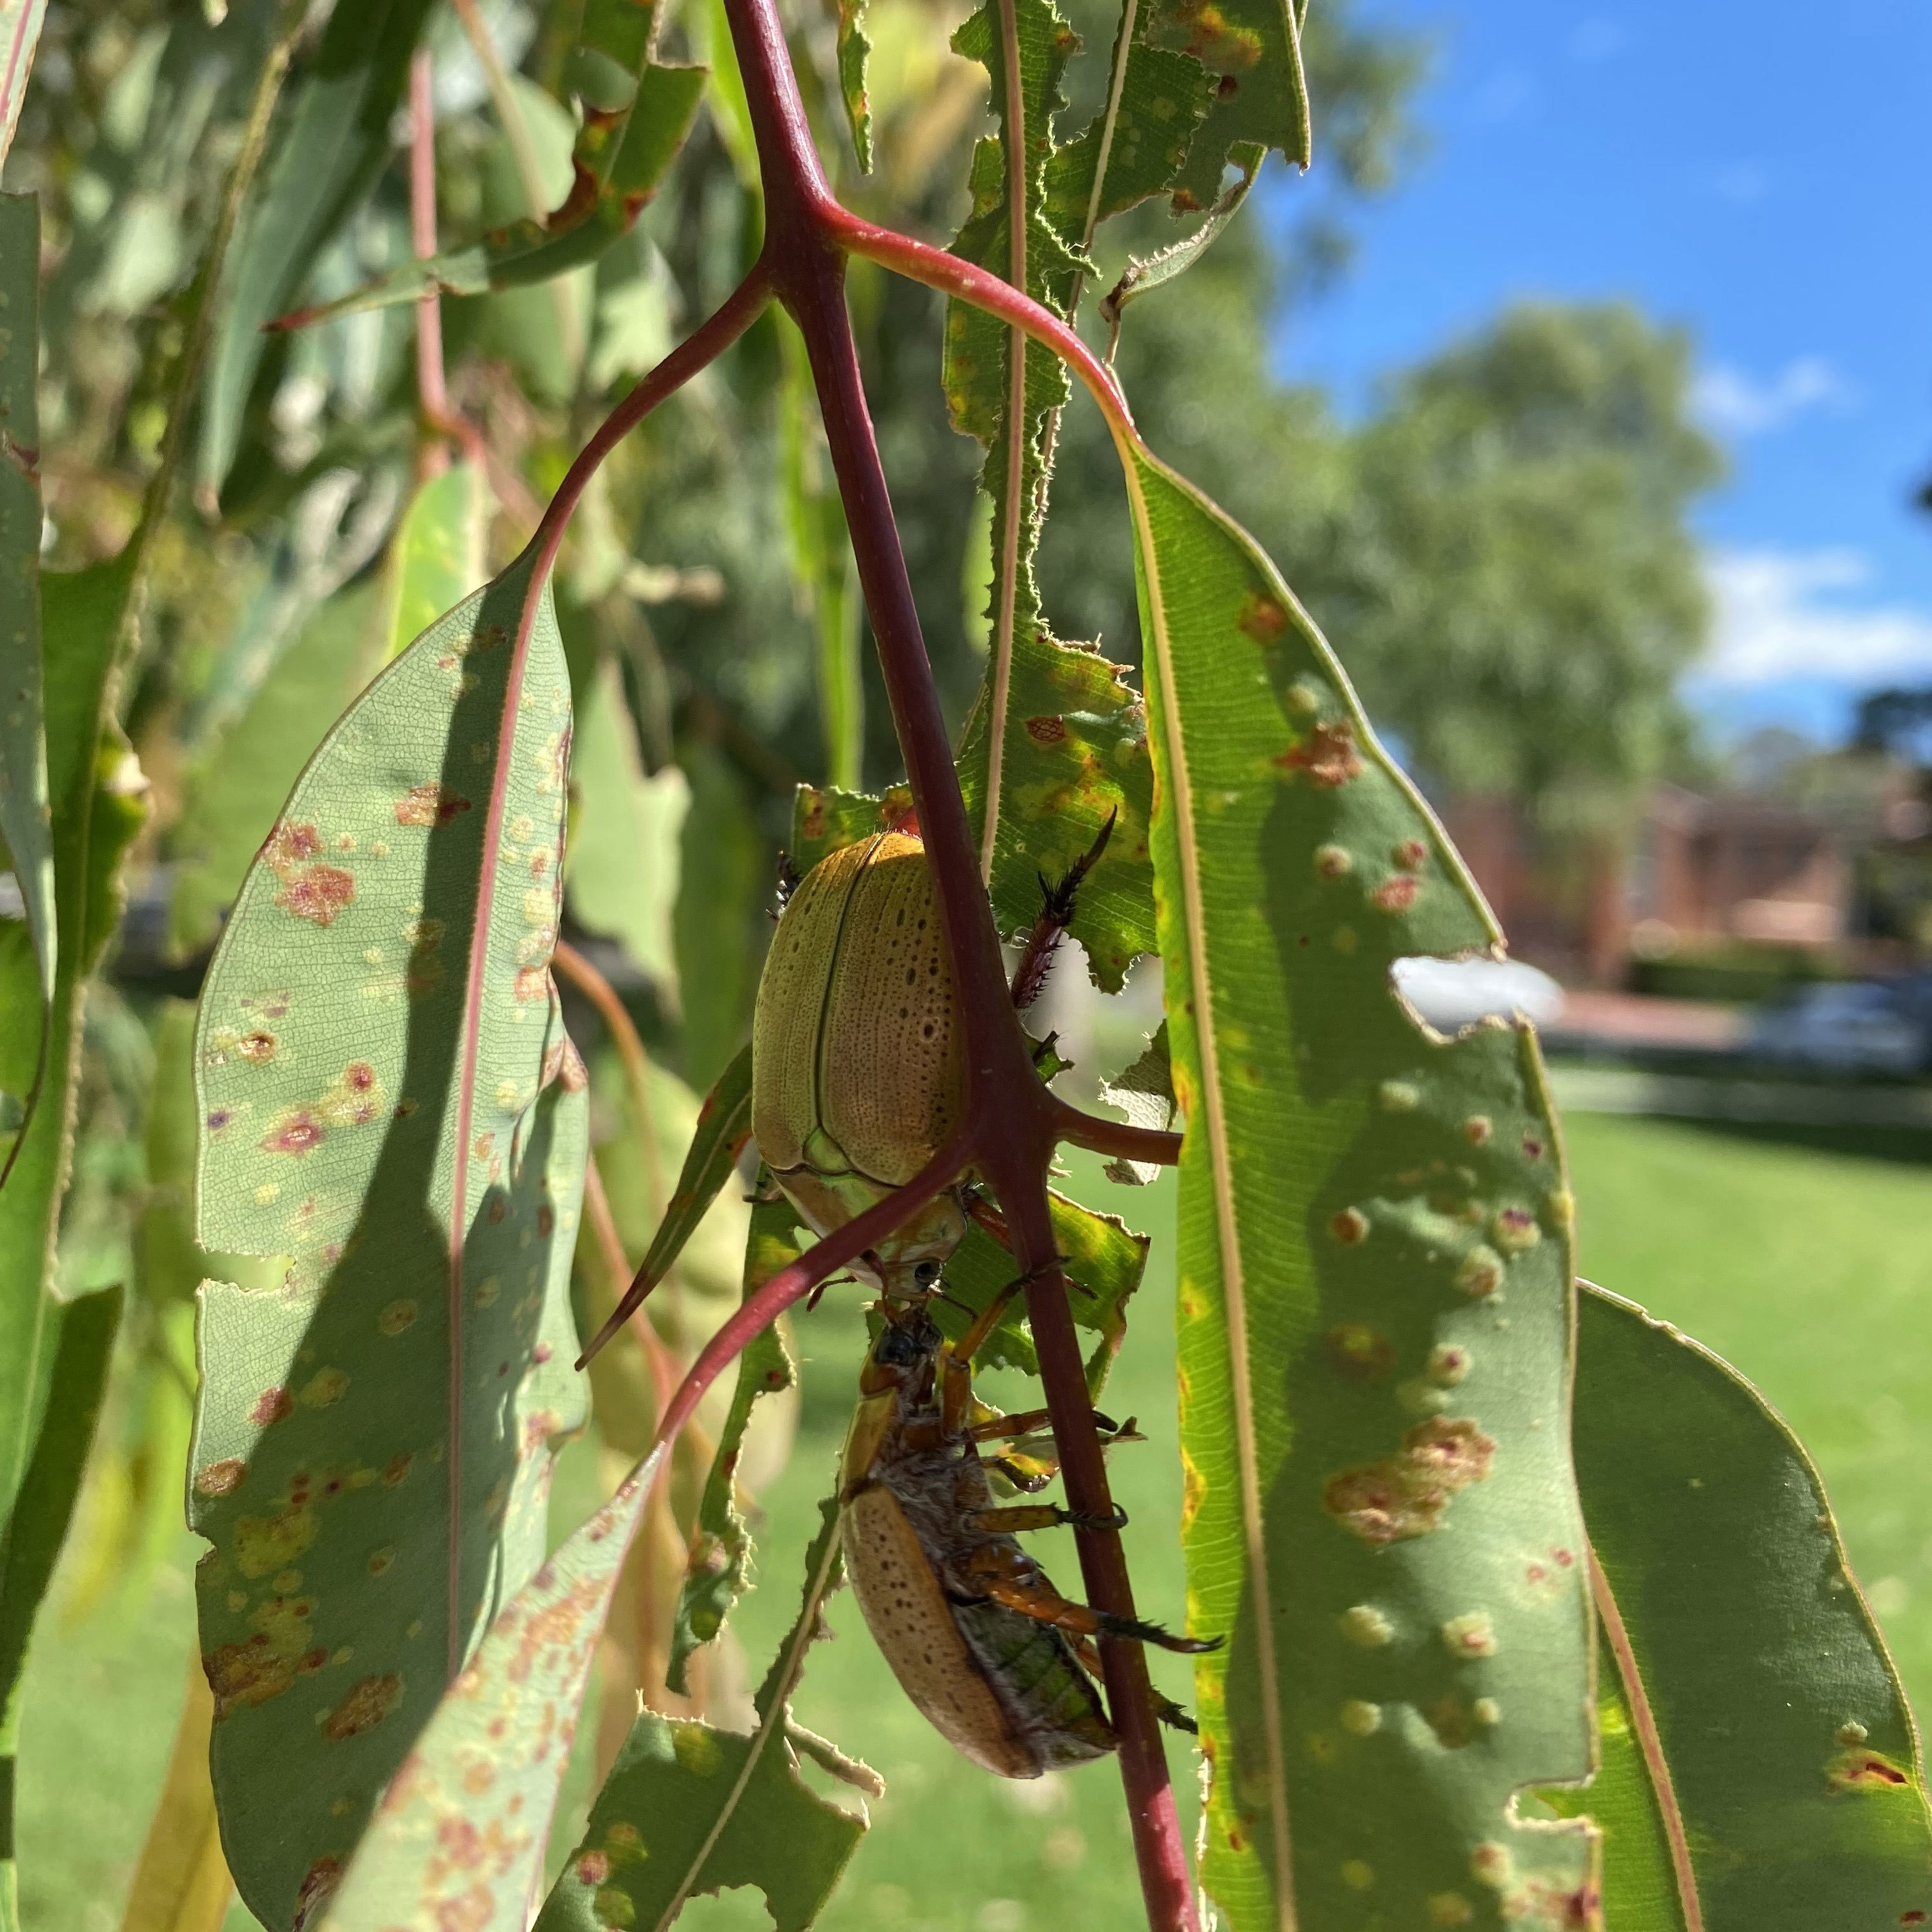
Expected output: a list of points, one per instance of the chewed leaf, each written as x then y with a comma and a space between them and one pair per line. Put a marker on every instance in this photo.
20, 34
720, 1569
1374, 1302
460, 1836
1760, 1771
1254, 46
689, 1809
1075, 750
1143, 273
825, 819
387, 1099
1144, 1093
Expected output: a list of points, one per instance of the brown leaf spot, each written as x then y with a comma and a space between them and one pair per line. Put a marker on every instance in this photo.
1410, 854
270, 1406
221, 1478
1046, 731
318, 1885
396, 1317
1862, 1769
1332, 862
397, 1468
1480, 1273
1349, 1227
1514, 1229
1358, 1351
365, 1707
428, 805
289, 846
1397, 894
1261, 618
258, 1046
1329, 758
532, 984
242, 1674
1383, 1503
318, 894
593, 1868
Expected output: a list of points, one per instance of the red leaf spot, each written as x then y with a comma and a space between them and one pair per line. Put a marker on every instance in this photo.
294, 1133
289, 845
1261, 618
270, 1406
1410, 854
593, 1868
1329, 758
428, 805
318, 894
1398, 894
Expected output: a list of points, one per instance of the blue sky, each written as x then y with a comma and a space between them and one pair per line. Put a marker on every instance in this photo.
1757, 173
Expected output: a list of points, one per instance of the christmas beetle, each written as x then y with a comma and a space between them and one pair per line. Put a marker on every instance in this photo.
991, 1653
855, 1066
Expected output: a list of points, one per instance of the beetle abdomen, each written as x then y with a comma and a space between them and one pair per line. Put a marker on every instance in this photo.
916, 1629
1049, 1701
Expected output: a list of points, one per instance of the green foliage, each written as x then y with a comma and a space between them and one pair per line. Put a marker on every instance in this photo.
387, 1098
689, 1809
1772, 1779
1375, 1292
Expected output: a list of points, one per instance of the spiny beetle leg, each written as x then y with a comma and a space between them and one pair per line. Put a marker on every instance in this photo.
1174, 1717
1056, 916
1045, 1605
1024, 1517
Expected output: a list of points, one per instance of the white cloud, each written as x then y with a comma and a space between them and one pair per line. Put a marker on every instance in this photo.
1734, 404
1785, 614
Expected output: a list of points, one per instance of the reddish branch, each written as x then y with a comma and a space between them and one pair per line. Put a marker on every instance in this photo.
1011, 1123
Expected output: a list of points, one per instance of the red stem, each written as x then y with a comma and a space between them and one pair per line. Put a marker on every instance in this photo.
1011, 1123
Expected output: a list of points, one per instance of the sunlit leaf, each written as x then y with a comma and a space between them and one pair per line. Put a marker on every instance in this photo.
826, 819
1144, 273
388, 1098
436, 558
334, 141
622, 874
1256, 44
95, 787
26, 832
689, 1809
19, 35
77, 1342
1375, 1296
1144, 1093
237, 791
459, 1838
1761, 1772
1076, 750
854, 51
720, 1568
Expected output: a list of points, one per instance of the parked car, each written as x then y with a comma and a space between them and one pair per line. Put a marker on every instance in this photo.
1864, 1026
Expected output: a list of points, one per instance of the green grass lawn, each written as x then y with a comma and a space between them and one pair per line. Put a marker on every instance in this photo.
1809, 1266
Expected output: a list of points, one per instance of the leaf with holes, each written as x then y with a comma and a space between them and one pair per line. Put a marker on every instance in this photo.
1375, 1296
1253, 48
720, 1569
1760, 1768
387, 1097
688, 1809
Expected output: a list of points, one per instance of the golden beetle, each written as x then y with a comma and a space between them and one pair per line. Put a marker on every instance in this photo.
856, 1065
990, 1652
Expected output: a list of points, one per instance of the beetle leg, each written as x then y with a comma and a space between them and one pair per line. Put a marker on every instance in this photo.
1056, 916
1040, 1601
999, 1428
1170, 1713
1024, 1516
989, 1219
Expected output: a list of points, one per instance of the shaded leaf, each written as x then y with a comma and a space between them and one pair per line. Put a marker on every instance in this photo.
720, 922
237, 789
460, 1835
1375, 1296
722, 1133
1144, 1093
95, 789
1256, 44
689, 1809
182, 1883
622, 872
1757, 1747
19, 35
435, 559
78, 1345
333, 143
1075, 750
387, 1098
26, 829
719, 1571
